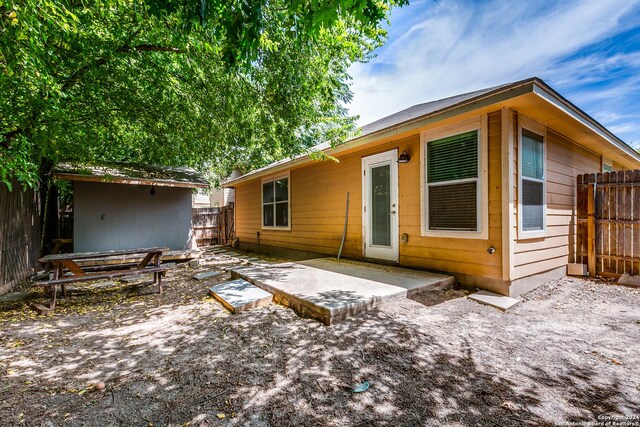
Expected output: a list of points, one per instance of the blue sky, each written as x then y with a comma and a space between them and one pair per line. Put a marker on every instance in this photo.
588, 50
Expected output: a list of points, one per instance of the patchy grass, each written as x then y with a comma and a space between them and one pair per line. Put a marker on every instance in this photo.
569, 352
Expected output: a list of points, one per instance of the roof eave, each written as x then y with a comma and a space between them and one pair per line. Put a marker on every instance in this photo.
532, 85
504, 93
547, 93
129, 181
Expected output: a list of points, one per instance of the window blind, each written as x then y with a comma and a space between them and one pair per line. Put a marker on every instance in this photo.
453, 182
532, 181
453, 158
453, 207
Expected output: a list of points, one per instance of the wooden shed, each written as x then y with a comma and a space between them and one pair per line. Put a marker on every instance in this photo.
122, 206
480, 185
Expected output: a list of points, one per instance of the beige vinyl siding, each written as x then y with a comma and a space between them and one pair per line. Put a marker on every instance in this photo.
565, 160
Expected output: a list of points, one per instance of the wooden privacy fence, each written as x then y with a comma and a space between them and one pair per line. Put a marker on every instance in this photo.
608, 214
19, 235
213, 225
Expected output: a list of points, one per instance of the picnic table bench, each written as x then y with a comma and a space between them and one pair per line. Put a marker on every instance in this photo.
75, 273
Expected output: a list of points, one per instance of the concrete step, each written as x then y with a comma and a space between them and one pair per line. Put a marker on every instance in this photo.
330, 291
239, 295
494, 300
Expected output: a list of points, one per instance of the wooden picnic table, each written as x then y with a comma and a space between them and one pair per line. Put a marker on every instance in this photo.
87, 272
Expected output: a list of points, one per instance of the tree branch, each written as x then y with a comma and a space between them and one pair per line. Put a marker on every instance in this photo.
150, 47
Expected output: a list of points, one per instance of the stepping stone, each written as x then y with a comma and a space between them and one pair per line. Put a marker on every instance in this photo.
494, 300
78, 289
206, 275
629, 280
169, 265
103, 285
218, 250
14, 296
239, 295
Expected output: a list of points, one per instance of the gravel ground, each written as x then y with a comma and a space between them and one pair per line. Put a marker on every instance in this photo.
567, 354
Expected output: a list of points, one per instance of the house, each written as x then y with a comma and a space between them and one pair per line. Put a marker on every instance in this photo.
480, 185
123, 206
200, 199
225, 195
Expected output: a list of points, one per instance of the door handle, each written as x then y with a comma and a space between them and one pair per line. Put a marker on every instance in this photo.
392, 213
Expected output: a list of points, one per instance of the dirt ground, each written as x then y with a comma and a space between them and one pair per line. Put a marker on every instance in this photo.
568, 353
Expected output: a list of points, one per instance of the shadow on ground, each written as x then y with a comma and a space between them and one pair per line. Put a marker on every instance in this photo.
180, 358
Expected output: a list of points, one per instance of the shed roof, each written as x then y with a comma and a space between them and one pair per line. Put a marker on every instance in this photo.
132, 174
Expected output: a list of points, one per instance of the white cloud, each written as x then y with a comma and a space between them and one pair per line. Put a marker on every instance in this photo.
451, 47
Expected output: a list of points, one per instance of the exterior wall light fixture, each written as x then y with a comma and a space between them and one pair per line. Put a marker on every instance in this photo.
404, 157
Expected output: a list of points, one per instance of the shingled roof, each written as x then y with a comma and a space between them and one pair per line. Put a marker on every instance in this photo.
421, 110
133, 174
454, 104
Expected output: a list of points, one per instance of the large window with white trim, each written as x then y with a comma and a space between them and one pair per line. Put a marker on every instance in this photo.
532, 194
275, 202
453, 182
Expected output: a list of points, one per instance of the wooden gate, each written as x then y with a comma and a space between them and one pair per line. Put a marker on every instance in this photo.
608, 229
213, 225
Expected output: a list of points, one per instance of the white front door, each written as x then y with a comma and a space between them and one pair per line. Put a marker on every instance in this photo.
380, 205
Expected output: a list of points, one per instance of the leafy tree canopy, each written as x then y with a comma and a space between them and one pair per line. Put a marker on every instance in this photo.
209, 84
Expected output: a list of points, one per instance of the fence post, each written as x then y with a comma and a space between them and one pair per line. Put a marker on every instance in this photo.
591, 230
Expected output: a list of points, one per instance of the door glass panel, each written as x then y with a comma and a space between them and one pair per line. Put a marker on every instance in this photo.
381, 205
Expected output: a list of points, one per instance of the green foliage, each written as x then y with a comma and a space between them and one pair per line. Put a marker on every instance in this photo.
207, 84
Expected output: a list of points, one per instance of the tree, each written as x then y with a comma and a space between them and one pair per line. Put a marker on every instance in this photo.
208, 84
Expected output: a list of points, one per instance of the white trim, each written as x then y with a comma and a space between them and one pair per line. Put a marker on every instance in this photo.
392, 252
568, 108
478, 123
508, 207
539, 129
273, 178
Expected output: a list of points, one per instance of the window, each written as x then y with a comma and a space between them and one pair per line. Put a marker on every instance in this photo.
275, 202
453, 182
454, 175
532, 188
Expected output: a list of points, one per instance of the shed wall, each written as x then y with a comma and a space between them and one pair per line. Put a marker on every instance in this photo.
116, 216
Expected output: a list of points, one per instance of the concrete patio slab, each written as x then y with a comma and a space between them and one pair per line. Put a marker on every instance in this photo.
329, 290
239, 295
498, 301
